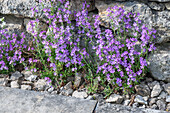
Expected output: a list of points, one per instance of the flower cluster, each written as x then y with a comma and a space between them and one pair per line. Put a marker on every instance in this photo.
119, 58
121, 50
58, 48
11, 49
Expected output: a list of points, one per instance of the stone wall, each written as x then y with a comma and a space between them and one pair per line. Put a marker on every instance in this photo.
154, 13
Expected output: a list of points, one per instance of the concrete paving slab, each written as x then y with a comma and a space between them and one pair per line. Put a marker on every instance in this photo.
23, 101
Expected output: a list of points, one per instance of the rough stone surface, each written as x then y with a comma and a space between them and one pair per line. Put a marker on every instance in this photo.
168, 99
156, 90
161, 24
152, 101
159, 20
40, 84
126, 102
13, 24
115, 99
66, 92
154, 106
142, 90
23, 101
115, 108
168, 107
3, 75
159, 62
156, 6
3, 81
152, 84
26, 73
134, 105
139, 99
77, 80
26, 87
161, 104
167, 88
133, 6
15, 76
31, 78
41, 26
162, 95
27, 83
79, 94
22, 8
51, 89
68, 86
14, 84
160, 0
167, 5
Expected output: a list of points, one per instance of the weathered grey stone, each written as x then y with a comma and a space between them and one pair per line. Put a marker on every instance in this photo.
139, 99
127, 96
90, 97
161, 104
66, 92
126, 102
134, 105
13, 24
116, 108
51, 89
77, 80
143, 106
22, 8
159, 21
154, 106
156, 90
68, 86
3, 75
167, 88
27, 83
40, 84
98, 97
159, 62
54, 92
156, 6
14, 84
167, 98
148, 79
162, 95
142, 90
79, 94
26, 87
133, 6
26, 73
160, 0
41, 26
32, 78
152, 84
168, 107
152, 101
115, 99
29, 76
23, 101
3, 82
167, 5
145, 98
15, 76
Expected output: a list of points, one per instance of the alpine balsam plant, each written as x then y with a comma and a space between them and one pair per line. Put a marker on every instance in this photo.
122, 63
11, 49
117, 63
